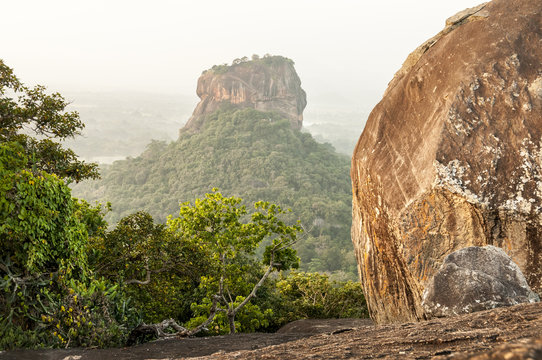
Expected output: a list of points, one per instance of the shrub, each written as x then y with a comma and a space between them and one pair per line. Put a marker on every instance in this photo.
43, 264
312, 295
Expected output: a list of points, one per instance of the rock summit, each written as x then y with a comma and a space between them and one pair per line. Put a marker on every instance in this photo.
269, 83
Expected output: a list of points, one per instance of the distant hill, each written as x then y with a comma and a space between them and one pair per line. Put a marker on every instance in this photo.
234, 142
252, 154
339, 128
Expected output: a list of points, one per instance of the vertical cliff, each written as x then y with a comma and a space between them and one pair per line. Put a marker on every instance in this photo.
265, 84
452, 157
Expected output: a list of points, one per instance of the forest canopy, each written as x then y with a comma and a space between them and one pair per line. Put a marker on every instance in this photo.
251, 154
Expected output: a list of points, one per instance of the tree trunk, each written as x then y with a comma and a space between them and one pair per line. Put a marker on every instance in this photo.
231, 318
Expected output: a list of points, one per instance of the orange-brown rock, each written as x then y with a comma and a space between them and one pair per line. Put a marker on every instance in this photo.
267, 84
451, 157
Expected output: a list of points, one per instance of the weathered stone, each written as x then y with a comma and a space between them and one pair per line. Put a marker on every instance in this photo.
523, 350
467, 15
452, 157
474, 279
267, 84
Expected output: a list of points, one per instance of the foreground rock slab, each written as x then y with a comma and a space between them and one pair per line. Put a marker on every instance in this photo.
489, 334
452, 157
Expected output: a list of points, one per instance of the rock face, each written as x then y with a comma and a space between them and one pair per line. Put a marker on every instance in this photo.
452, 157
267, 84
474, 279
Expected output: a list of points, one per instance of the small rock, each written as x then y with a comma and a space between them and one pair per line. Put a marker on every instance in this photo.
474, 279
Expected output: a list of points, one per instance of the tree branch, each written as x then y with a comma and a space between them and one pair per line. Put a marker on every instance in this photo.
139, 282
214, 309
159, 328
257, 286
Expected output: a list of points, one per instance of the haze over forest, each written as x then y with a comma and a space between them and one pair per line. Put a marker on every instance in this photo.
94, 53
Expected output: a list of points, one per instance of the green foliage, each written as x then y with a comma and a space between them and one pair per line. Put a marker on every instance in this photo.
92, 217
267, 60
158, 271
312, 295
33, 111
250, 318
91, 314
44, 270
38, 232
133, 250
251, 154
48, 296
221, 228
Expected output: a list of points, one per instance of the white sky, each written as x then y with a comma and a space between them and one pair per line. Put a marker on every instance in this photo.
342, 48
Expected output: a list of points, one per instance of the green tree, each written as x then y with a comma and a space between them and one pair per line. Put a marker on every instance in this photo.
223, 230
25, 111
313, 295
38, 232
48, 296
159, 272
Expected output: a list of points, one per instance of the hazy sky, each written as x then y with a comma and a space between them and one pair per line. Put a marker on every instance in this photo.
342, 48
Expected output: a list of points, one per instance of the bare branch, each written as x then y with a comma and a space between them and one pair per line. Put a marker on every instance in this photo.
214, 309
160, 329
4, 268
144, 282
257, 286
229, 295
20, 280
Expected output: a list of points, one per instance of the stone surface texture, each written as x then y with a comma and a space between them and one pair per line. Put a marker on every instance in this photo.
267, 84
504, 333
452, 157
474, 279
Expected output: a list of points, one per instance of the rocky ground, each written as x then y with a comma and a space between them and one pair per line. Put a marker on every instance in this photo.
504, 333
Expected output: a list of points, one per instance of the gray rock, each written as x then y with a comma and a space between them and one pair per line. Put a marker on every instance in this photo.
474, 279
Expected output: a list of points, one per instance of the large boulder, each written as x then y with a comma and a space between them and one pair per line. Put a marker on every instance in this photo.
474, 279
452, 157
265, 84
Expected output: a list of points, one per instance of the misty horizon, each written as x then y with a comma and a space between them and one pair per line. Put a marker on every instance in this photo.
345, 53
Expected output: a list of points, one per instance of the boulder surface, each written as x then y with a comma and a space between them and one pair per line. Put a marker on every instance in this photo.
452, 157
265, 84
474, 279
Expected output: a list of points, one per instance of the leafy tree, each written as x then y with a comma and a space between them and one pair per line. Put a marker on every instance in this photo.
159, 272
44, 116
215, 224
313, 295
38, 232
133, 251
48, 296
